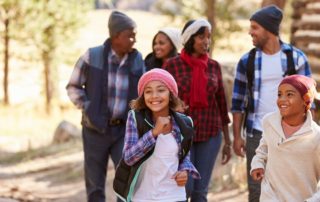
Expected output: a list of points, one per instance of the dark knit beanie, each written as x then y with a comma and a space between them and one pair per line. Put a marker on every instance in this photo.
118, 22
269, 18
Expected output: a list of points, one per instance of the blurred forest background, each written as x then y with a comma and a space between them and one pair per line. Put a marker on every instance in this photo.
40, 140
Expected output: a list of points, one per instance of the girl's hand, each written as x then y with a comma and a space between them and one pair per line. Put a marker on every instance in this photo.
163, 125
226, 153
257, 174
181, 177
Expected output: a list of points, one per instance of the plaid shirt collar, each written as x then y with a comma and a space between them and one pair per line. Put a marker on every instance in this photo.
114, 54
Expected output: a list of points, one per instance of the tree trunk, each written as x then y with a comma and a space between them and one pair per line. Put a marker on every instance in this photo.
210, 13
6, 61
50, 72
279, 3
47, 79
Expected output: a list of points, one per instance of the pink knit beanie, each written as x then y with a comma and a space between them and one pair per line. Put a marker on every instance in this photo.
161, 75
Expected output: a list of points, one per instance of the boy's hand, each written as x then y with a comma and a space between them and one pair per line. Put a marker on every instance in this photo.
181, 177
257, 174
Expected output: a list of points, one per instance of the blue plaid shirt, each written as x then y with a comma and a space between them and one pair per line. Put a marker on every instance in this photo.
240, 91
118, 82
135, 148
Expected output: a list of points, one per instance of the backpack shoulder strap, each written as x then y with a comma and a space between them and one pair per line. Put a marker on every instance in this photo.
250, 68
250, 76
290, 63
183, 119
141, 123
185, 124
187, 119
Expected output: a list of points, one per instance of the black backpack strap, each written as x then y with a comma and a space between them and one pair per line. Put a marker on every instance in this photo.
143, 121
185, 124
250, 76
144, 124
187, 119
290, 63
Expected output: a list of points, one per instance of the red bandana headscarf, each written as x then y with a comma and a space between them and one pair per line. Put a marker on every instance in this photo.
306, 86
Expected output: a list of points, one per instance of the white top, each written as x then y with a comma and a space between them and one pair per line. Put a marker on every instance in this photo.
292, 165
155, 181
271, 76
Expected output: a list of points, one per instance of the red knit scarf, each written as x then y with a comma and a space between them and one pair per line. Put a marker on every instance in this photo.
198, 91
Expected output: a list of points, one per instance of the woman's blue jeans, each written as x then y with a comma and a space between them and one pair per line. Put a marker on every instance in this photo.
203, 156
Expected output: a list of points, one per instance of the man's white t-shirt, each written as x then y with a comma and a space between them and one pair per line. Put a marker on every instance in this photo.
271, 76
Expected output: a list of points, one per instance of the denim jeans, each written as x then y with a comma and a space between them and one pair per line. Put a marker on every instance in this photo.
252, 144
203, 156
97, 149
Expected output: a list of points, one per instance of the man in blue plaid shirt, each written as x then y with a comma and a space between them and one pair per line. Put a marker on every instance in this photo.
270, 65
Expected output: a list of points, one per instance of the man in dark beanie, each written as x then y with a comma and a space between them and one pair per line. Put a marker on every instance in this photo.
118, 22
103, 82
258, 74
269, 18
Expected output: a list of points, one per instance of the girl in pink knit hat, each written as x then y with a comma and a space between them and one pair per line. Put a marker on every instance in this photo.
157, 143
288, 157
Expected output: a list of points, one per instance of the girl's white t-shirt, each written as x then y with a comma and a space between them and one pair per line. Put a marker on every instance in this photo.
155, 181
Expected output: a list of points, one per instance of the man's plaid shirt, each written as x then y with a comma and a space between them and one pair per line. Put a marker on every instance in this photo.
240, 91
210, 120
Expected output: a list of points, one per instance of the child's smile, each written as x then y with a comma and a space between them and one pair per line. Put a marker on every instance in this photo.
290, 103
156, 96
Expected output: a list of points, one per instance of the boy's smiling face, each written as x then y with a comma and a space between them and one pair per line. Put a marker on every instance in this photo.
290, 103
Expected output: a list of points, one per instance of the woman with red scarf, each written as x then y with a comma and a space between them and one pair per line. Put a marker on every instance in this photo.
200, 86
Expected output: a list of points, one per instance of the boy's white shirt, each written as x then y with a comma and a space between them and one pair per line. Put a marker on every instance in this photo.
292, 165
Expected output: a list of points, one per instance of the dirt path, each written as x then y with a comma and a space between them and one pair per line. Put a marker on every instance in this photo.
52, 179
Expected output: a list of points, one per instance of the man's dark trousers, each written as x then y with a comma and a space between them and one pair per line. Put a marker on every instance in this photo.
97, 148
252, 144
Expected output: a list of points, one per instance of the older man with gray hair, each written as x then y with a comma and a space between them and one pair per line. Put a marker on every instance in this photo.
102, 83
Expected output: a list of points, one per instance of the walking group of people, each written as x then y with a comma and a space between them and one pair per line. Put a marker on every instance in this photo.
162, 120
